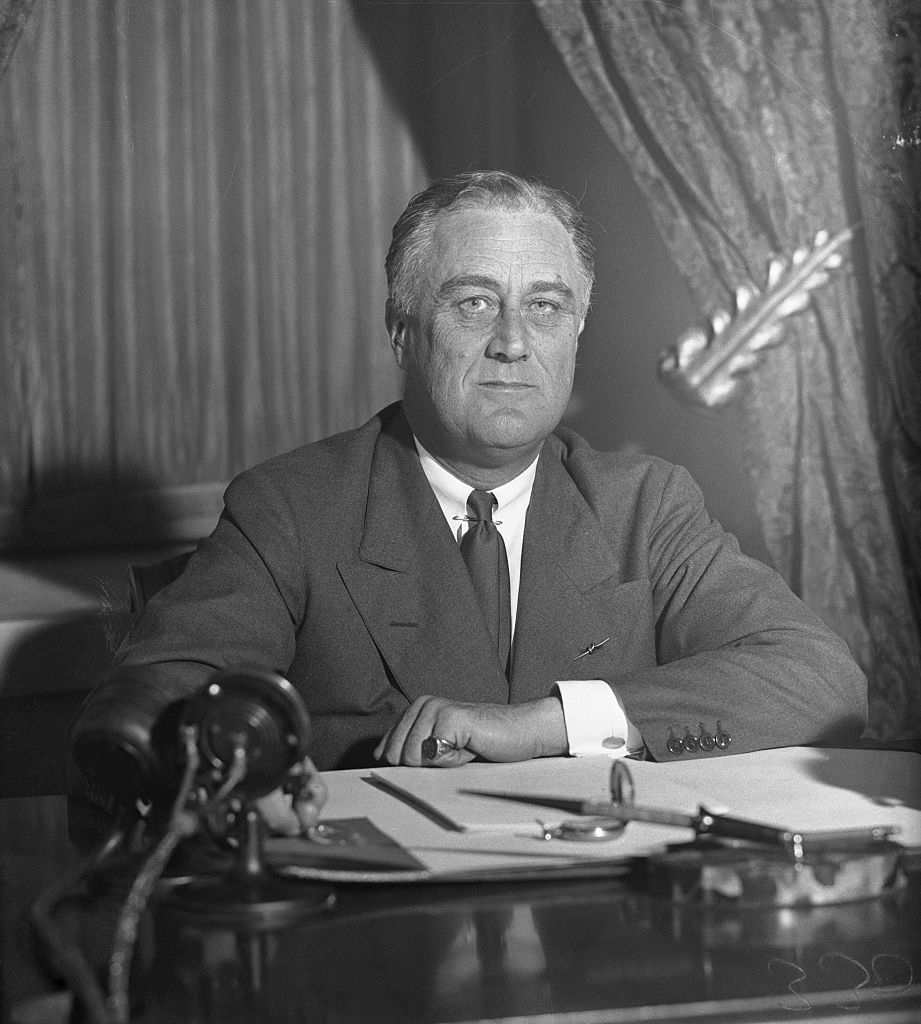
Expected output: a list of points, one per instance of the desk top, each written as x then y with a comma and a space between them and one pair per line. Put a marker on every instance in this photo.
806, 789
553, 951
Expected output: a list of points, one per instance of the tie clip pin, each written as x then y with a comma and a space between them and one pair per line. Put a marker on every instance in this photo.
477, 519
591, 648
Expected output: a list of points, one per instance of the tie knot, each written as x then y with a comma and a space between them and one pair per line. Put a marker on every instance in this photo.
480, 504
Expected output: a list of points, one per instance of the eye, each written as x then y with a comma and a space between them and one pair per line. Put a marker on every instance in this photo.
544, 307
473, 304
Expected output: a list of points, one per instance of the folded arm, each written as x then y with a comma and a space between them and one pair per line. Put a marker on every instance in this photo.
736, 649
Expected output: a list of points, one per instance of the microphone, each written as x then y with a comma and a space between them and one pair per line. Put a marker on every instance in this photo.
242, 734
126, 740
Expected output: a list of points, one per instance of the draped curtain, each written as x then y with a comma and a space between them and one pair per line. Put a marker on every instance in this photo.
195, 202
750, 125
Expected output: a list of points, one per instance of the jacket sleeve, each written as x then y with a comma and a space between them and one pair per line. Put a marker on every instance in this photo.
237, 602
740, 658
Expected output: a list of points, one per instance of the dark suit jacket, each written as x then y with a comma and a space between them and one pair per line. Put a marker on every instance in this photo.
333, 564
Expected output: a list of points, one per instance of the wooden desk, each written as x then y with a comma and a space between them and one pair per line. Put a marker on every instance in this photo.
545, 952
567, 953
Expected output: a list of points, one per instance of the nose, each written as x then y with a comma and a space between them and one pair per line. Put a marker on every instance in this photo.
509, 340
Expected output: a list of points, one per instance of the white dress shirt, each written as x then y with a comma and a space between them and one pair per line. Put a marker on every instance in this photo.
596, 722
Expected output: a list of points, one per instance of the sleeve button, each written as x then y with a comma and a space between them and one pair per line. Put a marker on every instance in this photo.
674, 745
707, 739
690, 742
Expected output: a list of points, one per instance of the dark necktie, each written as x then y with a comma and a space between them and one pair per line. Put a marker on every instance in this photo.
484, 552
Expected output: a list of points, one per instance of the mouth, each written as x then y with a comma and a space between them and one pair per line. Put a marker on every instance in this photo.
506, 385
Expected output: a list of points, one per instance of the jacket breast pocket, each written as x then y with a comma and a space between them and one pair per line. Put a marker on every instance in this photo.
617, 631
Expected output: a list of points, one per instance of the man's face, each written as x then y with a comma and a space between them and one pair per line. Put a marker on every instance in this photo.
489, 356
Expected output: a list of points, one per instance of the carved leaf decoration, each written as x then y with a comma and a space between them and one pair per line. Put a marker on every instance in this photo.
706, 368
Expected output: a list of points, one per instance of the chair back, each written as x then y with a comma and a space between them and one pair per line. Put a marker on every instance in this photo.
145, 579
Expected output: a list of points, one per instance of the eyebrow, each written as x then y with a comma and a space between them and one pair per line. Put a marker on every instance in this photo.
468, 281
484, 281
552, 286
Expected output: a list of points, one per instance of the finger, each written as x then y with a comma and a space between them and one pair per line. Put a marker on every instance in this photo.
310, 795
388, 749
319, 791
424, 728
278, 814
453, 758
307, 813
379, 749
436, 748
398, 746
450, 724
446, 721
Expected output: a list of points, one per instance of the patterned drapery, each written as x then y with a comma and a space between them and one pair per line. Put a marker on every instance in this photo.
195, 201
749, 126
13, 18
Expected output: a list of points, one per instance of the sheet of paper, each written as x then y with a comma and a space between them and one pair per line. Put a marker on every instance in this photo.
444, 795
809, 789
803, 788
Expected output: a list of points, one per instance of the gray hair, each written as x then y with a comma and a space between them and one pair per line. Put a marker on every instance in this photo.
412, 233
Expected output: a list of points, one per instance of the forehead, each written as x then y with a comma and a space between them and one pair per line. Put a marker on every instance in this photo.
513, 246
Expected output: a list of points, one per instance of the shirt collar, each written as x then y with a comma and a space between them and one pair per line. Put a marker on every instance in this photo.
452, 491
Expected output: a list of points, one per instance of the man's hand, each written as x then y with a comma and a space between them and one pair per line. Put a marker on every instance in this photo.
294, 809
496, 732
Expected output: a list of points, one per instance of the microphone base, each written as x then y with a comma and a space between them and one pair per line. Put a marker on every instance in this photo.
250, 895
264, 902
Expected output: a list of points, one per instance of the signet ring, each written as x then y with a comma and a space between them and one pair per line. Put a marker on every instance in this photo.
434, 747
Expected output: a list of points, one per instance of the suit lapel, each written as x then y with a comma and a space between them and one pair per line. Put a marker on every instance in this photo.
411, 587
570, 595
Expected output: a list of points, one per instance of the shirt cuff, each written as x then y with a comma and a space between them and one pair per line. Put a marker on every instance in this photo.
596, 722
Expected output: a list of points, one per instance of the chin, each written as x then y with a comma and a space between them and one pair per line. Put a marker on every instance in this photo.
512, 438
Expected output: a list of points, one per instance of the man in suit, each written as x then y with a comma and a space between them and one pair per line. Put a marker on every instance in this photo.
614, 614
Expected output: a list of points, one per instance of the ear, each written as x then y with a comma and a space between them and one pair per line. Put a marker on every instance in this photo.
396, 322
